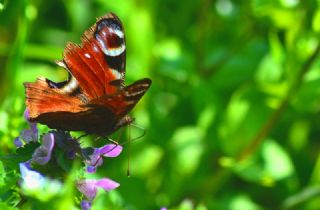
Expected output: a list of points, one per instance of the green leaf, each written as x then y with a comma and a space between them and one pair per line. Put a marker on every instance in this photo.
316, 21
271, 164
277, 161
242, 202
185, 143
146, 161
5, 206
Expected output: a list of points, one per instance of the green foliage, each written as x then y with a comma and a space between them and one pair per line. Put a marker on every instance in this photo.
232, 116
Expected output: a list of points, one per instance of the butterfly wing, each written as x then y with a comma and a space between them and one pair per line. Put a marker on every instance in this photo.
43, 96
48, 105
96, 68
94, 98
98, 64
48, 102
123, 101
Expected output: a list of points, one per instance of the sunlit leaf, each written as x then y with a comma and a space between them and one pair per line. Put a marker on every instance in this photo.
277, 161
243, 202
187, 142
146, 161
271, 164
3, 4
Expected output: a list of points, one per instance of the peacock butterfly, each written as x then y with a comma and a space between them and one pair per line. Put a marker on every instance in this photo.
94, 98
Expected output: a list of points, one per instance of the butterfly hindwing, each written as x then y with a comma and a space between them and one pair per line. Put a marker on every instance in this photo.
42, 97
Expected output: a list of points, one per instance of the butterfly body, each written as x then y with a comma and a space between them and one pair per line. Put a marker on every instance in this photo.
94, 99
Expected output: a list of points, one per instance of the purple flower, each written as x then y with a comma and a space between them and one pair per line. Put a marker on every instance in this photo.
33, 126
95, 159
26, 114
42, 154
30, 179
70, 146
27, 135
85, 205
110, 150
64, 145
91, 169
18, 142
89, 187
37, 185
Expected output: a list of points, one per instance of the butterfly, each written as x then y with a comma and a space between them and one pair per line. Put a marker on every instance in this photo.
94, 98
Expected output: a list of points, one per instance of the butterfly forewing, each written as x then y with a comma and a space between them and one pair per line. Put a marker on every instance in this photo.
122, 102
102, 55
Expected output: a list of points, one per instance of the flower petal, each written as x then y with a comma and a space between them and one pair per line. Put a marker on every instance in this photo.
32, 133
85, 205
27, 135
88, 188
30, 179
18, 142
70, 146
91, 169
110, 150
107, 184
34, 130
93, 159
48, 141
42, 154
26, 114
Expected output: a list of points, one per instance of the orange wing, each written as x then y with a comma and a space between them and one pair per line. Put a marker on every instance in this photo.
94, 98
122, 102
41, 97
98, 64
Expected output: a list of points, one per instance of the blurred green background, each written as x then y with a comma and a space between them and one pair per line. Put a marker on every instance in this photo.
233, 115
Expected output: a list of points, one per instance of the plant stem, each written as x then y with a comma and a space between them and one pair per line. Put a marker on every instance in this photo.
276, 115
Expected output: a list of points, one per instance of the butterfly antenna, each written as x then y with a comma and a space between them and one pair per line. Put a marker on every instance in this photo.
129, 152
120, 134
113, 141
98, 137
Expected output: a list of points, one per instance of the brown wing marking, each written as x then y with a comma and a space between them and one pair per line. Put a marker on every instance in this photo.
41, 98
122, 102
